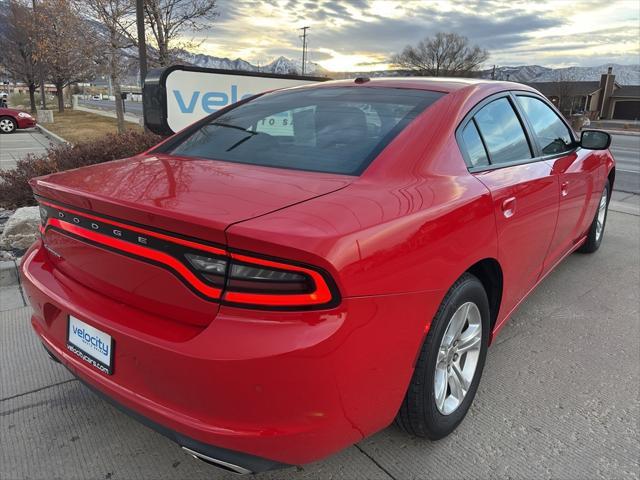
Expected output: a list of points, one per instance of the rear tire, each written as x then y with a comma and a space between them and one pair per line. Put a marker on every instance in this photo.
8, 125
596, 230
424, 413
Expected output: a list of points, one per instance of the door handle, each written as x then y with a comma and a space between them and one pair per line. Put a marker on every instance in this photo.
509, 207
564, 189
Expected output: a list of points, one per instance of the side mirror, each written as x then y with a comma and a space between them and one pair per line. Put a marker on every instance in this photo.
595, 139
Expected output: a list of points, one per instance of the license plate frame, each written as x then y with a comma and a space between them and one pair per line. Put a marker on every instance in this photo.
90, 344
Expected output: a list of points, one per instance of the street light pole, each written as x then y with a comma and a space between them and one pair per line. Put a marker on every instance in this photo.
304, 48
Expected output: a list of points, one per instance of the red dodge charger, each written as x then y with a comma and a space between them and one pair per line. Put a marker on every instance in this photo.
292, 273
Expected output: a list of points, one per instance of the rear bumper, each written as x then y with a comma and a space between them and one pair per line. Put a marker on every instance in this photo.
236, 462
291, 387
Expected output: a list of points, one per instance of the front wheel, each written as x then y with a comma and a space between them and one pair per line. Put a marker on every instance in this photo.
596, 230
7, 125
450, 364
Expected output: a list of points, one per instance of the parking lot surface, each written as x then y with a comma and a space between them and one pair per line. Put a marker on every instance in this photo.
559, 398
19, 144
626, 151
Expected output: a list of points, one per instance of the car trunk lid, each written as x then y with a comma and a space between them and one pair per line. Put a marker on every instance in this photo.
163, 199
197, 198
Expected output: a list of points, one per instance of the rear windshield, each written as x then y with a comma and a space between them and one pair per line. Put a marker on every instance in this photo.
335, 130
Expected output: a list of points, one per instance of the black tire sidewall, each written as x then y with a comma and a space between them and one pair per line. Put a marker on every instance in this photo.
15, 125
596, 240
470, 290
591, 244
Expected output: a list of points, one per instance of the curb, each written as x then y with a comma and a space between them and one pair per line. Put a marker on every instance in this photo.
49, 134
622, 132
8, 273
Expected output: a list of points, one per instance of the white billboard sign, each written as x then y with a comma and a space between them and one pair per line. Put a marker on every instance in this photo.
192, 93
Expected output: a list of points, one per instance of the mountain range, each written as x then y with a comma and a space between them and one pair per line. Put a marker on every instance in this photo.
625, 74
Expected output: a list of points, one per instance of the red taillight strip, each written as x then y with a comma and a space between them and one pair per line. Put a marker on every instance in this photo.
321, 295
139, 251
168, 238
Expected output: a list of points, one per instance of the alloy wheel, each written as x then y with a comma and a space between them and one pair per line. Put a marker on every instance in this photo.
6, 125
458, 357
602, 213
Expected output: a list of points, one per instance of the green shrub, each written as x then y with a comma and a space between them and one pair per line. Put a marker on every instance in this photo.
14, 184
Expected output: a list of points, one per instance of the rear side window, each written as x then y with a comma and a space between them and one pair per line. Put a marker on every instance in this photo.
502, 132
335, 130
552, 134
473, 146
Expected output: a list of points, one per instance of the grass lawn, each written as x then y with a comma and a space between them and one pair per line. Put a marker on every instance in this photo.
75, 126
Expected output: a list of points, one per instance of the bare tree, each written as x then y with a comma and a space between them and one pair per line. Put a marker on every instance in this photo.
445, 54
118, 19
168, 19
17, 36
65, 45
564, 89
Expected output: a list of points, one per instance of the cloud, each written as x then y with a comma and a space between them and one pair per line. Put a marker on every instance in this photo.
369, 31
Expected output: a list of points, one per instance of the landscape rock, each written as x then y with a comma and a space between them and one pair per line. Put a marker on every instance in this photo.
21, 229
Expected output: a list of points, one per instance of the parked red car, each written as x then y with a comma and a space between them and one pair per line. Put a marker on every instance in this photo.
294, 272
12, 119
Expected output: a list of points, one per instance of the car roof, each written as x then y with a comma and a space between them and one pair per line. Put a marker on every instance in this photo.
439, 84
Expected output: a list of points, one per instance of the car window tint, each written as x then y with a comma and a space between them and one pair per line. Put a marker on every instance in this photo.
552, 134
473, 146
330, 129
502, 132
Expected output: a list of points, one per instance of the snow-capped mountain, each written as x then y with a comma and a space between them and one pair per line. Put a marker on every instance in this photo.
625, 74
280, 65
207, 61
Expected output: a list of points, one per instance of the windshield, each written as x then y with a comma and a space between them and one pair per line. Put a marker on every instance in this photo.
335, 130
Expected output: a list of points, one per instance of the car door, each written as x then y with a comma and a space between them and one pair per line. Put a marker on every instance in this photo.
577, 171
524, 191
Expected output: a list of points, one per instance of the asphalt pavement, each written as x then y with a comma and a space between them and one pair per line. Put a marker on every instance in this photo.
134, 108
626, 151
559, 398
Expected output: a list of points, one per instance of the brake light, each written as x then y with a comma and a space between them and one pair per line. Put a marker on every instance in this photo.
257, 282
211, 271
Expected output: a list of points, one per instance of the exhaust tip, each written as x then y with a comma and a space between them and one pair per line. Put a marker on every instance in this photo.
216, 462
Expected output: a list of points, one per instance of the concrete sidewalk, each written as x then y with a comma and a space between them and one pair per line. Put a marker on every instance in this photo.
16, 146
558, 398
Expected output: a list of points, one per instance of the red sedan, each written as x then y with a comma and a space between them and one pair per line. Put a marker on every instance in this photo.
294, 272
12, 119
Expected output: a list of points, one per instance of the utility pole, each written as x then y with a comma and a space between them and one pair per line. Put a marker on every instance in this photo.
142, 42
304, 47
493, 73
43, 98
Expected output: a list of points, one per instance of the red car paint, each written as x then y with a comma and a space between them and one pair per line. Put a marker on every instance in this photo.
299, 384
22, 119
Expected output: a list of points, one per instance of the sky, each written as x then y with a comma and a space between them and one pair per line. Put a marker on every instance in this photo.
361, 35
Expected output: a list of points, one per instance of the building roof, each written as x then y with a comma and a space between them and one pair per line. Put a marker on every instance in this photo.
574, 88
627, 91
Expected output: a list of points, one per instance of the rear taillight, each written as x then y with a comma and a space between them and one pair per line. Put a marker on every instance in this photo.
211, 271
258, 282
